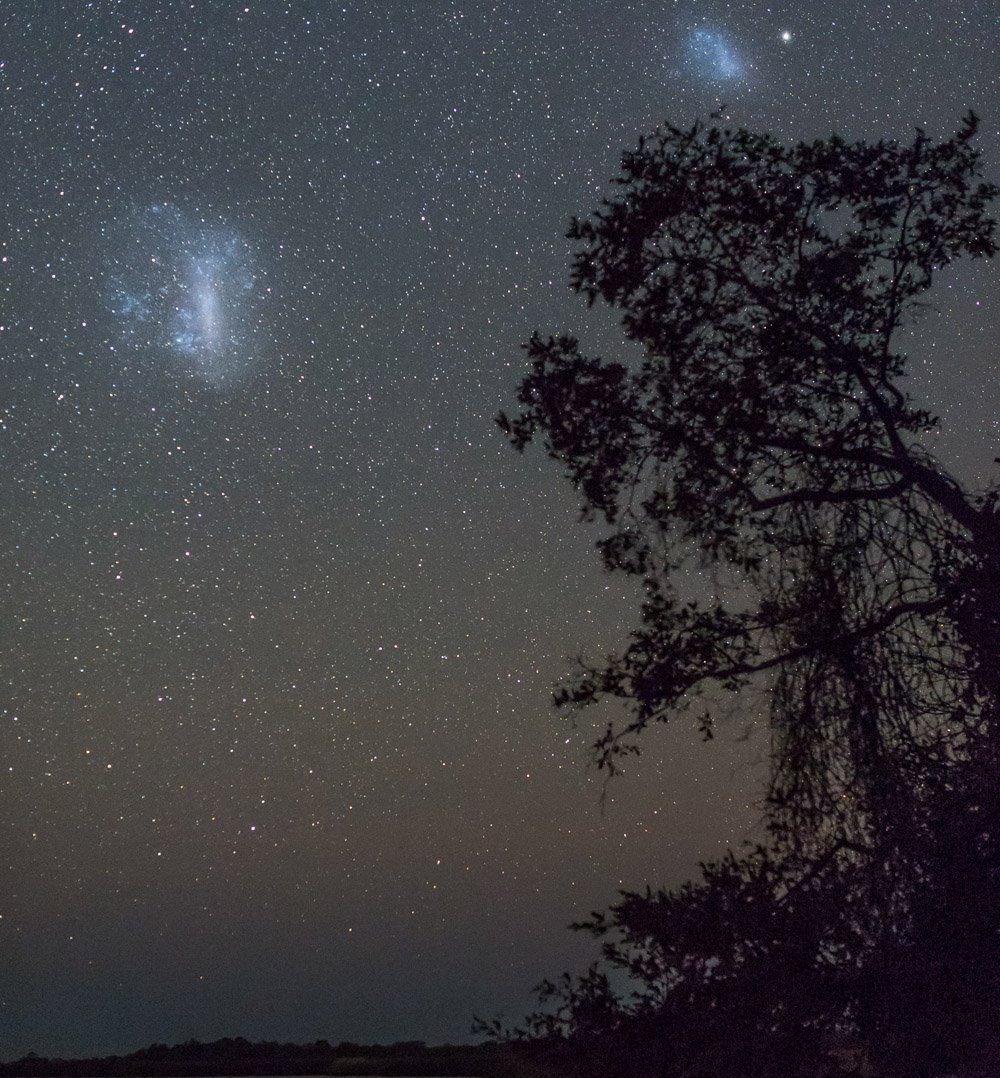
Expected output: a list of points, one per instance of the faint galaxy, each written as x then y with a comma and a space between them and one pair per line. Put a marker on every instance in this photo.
181, 290
712, 57
281, 610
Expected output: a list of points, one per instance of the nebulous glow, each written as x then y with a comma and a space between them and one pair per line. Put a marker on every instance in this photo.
181, 291
712, 57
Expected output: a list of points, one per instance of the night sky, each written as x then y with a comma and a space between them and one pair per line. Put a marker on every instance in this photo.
281, 609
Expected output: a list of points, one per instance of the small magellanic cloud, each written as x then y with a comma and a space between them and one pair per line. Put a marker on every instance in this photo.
712, 57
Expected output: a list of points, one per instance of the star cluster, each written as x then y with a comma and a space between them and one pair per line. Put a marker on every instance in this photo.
281, 610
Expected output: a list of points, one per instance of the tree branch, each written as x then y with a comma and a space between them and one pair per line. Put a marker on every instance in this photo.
861, 632
824, 497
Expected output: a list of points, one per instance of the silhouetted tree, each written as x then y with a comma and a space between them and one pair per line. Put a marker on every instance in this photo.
764, 438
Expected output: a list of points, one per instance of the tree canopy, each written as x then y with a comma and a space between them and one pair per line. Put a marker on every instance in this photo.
766, 435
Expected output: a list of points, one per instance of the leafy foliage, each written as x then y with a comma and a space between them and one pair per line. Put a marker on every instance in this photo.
766, 435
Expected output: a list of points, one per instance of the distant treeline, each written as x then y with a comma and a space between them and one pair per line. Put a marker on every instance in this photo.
236, 1056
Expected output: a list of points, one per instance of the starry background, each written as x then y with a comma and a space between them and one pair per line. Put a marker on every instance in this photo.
281, 610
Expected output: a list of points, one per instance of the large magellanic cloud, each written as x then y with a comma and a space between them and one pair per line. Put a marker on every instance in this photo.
181, 291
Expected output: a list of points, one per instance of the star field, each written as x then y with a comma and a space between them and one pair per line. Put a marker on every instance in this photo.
281, 610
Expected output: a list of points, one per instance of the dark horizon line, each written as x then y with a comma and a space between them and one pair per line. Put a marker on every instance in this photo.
237, 1057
